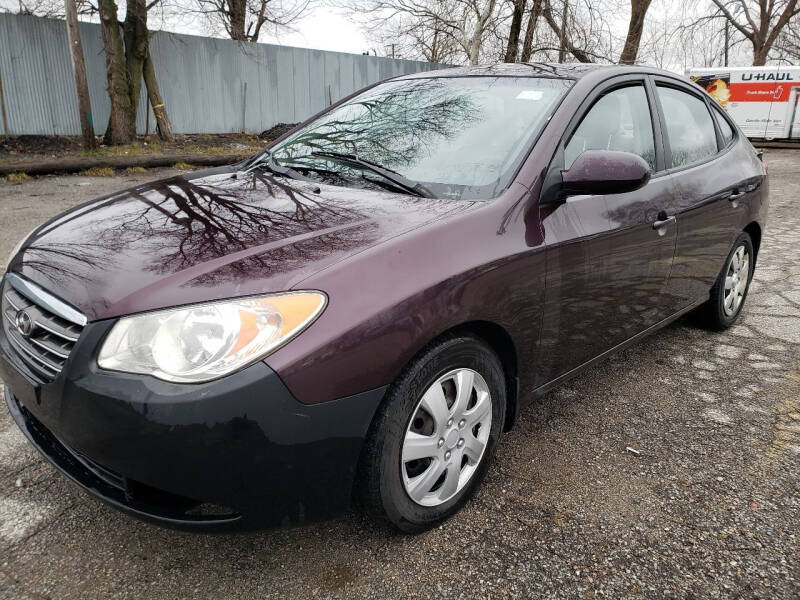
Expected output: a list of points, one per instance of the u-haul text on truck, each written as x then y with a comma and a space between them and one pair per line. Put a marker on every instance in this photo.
764, 101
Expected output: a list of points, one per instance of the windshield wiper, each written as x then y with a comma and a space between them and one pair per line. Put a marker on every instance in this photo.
268, 161
407, 185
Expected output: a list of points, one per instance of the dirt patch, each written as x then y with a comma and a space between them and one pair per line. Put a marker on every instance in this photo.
38, 144
275, 132
26, 147
38, 154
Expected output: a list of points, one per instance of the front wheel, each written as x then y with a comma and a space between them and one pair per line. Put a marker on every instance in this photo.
730, 290
435, 434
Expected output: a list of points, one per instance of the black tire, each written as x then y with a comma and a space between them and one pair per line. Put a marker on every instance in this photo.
381, 490
713, 314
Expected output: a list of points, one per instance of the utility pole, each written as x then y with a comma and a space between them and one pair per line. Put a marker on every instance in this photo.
79, 71
727, 41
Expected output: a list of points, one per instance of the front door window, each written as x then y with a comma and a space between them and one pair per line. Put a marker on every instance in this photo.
619, 120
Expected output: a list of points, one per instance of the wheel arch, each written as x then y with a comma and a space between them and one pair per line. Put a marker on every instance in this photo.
754, 230
499, 340
503, 345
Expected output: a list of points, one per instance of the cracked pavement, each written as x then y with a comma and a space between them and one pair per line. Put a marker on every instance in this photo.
668, 471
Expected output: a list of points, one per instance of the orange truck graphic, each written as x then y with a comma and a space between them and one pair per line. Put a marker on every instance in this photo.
764, 101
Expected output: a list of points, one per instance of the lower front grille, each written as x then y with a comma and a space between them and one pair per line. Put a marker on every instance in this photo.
39, 331
110, 485
112, 478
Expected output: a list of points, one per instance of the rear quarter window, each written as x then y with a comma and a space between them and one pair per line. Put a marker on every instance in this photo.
724, 128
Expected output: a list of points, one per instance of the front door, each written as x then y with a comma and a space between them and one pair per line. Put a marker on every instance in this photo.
608, 256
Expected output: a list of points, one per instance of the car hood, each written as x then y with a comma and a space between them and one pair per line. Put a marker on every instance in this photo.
211, 236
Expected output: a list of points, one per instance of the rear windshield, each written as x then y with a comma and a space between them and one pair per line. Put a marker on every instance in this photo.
459, 137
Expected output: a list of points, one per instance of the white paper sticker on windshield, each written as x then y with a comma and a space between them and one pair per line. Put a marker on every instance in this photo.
530, 95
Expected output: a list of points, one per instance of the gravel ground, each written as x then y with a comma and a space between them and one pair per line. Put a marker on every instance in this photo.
708, 506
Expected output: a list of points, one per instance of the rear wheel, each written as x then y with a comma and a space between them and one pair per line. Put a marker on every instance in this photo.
730, 290
435, 435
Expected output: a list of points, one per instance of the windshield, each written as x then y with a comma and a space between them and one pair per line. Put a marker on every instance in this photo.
455, 137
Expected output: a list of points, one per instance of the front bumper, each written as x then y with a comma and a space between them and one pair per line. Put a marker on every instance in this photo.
236, 453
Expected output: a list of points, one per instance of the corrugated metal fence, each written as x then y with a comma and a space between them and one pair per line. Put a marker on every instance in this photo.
209, 85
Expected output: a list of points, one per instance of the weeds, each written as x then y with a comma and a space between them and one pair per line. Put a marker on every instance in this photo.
98, 172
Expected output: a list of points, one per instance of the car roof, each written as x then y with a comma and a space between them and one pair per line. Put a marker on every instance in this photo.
536, 69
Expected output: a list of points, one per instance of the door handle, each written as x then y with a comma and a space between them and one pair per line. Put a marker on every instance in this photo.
735, 195
663, 222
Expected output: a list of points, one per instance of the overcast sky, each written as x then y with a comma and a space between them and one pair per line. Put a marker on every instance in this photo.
328, 28
323, 28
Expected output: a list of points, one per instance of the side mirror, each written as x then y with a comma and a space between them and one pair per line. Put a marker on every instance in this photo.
605, 172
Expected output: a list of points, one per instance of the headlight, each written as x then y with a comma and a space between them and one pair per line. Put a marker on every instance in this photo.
206, 341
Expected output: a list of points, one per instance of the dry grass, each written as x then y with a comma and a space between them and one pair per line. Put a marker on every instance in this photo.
242, 149
135, 149
98, 172
17, 176
244, 145
182, 166
135, 170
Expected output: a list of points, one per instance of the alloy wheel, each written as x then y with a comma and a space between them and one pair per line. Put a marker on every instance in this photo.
736, 280
446, 437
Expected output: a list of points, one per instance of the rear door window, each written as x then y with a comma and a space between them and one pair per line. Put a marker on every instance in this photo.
689, 127
619, 120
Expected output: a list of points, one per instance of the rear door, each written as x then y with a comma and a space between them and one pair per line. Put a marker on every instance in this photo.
607, 264
710, 188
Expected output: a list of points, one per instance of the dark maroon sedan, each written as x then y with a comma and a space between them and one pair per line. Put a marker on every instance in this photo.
358, 312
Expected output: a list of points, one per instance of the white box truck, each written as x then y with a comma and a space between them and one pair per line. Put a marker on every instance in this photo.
764, 101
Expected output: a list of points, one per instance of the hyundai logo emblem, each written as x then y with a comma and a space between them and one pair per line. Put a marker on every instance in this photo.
24, 323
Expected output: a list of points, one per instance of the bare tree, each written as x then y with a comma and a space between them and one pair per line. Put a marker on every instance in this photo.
127, 50
660, 38
40, 8
52, 9
587, 31
128, 62
530, 29
635, 29
759, 21
583, 30
565, 40
787, 46
512, 48
427, 38
433, 42
459, 26
244, 20
140, 66
121, 127
156, 101
698, 42
482, 12
79, 71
